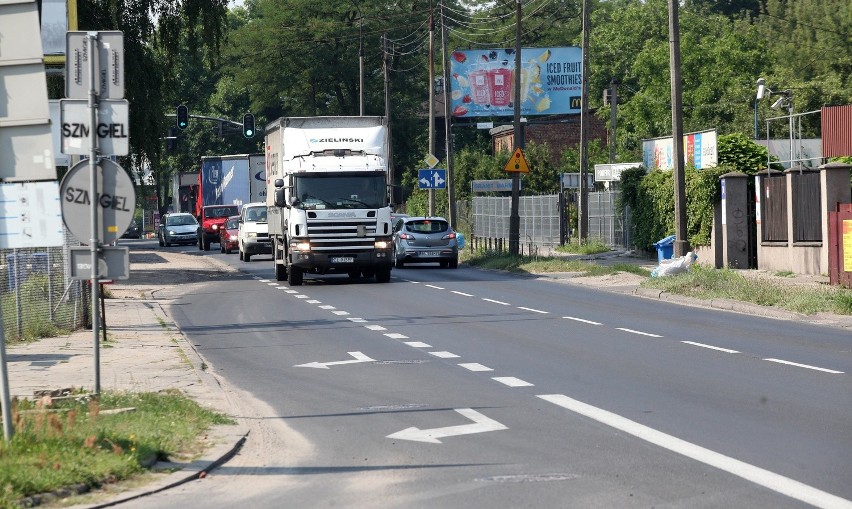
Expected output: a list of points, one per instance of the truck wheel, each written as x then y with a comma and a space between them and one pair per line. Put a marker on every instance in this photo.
383, 275
280, 272
294, 276
246, 257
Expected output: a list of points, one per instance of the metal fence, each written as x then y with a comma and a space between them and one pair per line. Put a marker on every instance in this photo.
38, 297
541, 220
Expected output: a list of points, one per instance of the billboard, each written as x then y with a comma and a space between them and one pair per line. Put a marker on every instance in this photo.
483, 81
699, 150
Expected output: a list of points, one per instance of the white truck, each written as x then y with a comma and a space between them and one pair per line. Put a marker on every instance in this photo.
328, 197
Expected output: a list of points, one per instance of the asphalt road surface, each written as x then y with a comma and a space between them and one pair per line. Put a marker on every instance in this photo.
470, 388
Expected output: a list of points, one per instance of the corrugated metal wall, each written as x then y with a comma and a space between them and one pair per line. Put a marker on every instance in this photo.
837, 131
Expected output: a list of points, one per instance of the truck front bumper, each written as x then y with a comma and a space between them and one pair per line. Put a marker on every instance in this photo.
341, 262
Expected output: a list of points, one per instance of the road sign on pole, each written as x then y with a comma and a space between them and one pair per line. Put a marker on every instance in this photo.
113, 262
115, 201
517, 163
112, 127
108, 60
432, 179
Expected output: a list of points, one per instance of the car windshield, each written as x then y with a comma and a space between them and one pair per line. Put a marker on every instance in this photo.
427, 226
256, 214
221, 211
336, 191
180, 220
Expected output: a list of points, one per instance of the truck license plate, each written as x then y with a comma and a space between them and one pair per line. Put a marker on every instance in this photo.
342, 259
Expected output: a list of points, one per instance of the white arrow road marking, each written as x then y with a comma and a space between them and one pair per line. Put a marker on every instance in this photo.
359, 357
481, 425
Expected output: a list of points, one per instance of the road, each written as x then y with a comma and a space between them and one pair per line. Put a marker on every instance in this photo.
471, 388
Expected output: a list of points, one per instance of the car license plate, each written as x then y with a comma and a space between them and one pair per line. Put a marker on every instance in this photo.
428, 253
342, 259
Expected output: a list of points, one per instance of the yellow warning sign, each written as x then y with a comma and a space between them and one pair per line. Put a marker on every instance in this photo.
517, 163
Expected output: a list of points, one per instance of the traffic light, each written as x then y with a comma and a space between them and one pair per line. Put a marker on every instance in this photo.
248, 125
182, 117
171, 140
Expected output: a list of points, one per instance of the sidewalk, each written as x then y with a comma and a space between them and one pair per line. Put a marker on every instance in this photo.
144, 352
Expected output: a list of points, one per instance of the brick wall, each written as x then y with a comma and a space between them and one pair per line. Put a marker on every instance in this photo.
563, 133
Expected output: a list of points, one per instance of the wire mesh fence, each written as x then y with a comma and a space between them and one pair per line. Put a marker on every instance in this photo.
38, 296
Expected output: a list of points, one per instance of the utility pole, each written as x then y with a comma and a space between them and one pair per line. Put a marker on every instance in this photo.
583, 194
613, 110
514, 216
391, 176
681, 245
451, 190
360, 62
431, 101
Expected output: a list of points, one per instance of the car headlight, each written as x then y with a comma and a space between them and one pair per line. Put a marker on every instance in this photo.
172, 232
215, 227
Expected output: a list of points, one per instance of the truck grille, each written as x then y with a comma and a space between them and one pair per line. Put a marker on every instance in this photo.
342, 235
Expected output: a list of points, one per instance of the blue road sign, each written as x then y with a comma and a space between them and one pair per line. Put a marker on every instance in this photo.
432, 179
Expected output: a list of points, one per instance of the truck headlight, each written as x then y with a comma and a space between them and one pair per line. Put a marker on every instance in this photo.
382, 244
300, 246
251, 235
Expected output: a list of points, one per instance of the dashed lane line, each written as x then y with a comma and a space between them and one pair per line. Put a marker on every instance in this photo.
496, 302
473, 366
711, 347
534, 310
638, 332
581, 320
461, 293
806, 366
417, 344
512, 381
444, 355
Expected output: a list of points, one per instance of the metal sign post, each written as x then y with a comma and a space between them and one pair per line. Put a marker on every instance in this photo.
94, 71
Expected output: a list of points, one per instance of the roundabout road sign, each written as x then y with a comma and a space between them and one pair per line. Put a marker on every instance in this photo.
116, 200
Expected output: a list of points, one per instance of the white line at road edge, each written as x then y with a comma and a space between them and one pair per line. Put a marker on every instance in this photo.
711, 347
779, 361
765, 478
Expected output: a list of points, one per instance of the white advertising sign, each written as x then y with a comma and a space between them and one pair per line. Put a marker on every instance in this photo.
699, 150
30, 215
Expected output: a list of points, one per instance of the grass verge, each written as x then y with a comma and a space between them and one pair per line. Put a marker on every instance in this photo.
68, 442
700, 282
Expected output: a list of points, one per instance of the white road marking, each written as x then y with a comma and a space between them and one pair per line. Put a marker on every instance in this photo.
512, 381
639, 332
341, 313
581, 320
473, 366
444, 355
711, 347
779, 361
396, 335
461, 293
496, 301
359, 357
435, 287
417, 344
272, 284
314, 302
356, 320
533, 310
301, 296
326, 306
765, 478
290, 291
481, 424
264, 280
375, 327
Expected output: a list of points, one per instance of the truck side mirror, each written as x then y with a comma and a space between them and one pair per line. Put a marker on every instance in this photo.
396, 195
279, 196
279, 183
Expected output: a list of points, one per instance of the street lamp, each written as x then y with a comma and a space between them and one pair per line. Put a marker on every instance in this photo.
785, 99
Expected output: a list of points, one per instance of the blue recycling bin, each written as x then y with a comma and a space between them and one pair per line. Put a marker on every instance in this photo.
665, 248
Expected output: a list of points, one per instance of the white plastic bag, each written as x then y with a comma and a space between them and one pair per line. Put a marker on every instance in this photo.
675, 265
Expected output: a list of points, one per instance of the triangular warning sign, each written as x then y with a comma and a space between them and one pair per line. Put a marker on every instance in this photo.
517, 163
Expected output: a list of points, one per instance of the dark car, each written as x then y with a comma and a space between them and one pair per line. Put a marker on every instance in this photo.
229, 235
133, 231
177, 228
425, 240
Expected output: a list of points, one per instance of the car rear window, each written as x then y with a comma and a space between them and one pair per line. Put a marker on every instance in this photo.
427, 226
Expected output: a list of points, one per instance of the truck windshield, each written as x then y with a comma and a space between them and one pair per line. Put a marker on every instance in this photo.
335, 191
